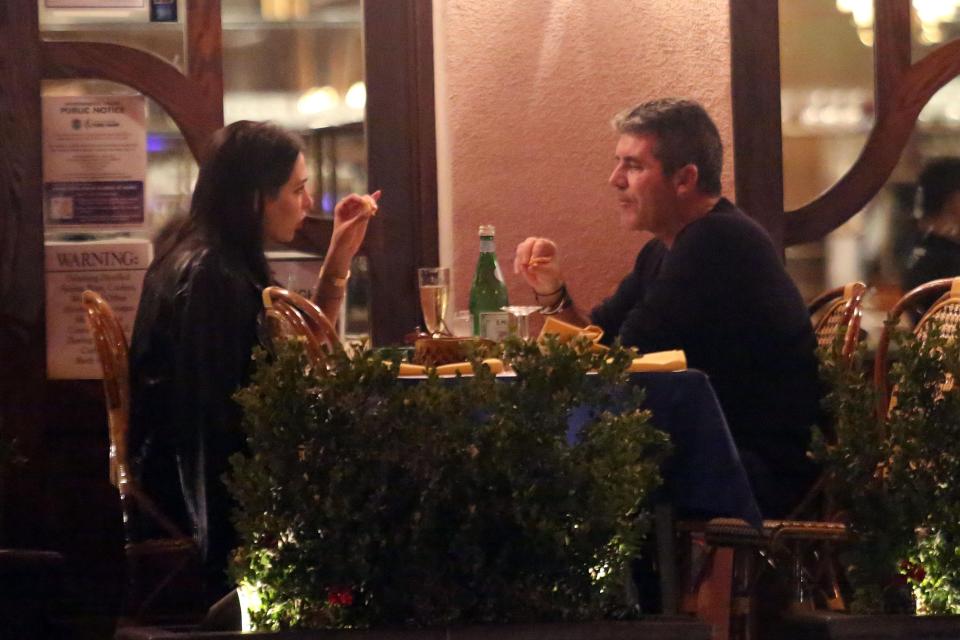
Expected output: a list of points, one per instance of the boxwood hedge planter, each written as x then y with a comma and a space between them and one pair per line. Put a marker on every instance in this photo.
654, 628
840, 626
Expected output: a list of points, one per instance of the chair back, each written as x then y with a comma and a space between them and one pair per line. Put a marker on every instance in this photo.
113, 353
164, 582
945, 312
112, 350
289, 314
835, 311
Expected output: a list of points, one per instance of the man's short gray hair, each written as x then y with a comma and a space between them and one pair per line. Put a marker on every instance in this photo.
684, 134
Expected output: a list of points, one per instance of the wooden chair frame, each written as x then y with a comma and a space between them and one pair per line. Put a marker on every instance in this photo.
176, 552
729, 574
289, 313
839, 307
945, 292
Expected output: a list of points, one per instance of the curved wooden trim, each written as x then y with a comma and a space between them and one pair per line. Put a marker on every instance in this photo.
186, 102
881, 152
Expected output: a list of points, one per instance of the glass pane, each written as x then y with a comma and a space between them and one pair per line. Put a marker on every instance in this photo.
934, 23
826, 69
881, 242
299, 63
129, 26
171, 169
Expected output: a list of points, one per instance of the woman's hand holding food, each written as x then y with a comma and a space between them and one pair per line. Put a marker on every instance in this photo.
350, 219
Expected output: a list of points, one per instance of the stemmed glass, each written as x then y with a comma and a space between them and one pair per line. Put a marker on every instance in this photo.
434, 285
522, 313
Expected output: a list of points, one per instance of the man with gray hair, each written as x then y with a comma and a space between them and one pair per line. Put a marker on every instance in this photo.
710, 283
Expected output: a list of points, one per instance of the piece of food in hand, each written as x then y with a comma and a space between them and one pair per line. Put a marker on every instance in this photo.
539, 260
369, 206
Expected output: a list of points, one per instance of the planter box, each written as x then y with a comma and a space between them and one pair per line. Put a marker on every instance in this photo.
653, 628
817, 626
31, 585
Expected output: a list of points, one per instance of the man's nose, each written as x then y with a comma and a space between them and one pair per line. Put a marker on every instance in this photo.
616, 178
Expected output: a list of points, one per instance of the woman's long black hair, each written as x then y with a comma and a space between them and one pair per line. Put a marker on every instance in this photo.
244, 163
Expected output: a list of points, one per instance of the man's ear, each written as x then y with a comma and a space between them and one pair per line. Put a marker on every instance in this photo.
685, 179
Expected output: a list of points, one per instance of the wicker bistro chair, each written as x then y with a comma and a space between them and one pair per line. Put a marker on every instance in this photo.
725, 585
289, 314
163, 577
838, 311
945, 311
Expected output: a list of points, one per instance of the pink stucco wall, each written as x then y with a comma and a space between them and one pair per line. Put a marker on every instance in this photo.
525, 93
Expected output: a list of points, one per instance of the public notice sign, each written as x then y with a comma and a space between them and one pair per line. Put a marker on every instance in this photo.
94, 161
114, 269
92, 4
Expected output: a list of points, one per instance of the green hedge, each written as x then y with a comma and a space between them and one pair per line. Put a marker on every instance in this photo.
899, 477
370, 500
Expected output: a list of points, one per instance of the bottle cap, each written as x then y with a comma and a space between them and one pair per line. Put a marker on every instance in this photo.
487, 230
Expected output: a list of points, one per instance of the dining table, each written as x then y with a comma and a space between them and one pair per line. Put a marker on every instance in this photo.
703, 477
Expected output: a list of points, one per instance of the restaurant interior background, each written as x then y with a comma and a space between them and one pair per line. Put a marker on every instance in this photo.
294, 62
524, 93
827, 100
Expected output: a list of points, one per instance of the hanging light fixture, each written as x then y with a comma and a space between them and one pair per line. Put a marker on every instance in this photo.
931, 14
356, 97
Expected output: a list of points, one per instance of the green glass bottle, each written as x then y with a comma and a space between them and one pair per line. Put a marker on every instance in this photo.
488, 293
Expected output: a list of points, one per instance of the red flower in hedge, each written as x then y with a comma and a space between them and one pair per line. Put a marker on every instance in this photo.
913, 571
340, 597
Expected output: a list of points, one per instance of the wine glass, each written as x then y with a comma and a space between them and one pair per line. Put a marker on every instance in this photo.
522, 313
434, 292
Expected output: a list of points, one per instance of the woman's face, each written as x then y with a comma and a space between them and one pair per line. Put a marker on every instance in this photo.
283, 214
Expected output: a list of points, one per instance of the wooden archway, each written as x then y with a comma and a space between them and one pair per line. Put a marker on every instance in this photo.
901, 90
193, 100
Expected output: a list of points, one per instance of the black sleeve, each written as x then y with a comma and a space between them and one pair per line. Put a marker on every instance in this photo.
710, 280
217, 331
216, 314
610, 314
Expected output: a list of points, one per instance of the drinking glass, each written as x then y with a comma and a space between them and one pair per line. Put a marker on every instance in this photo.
434, 292
522, 313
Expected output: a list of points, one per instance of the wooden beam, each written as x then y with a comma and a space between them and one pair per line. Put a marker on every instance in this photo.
891, 51
755, 90
22, 346
401, 159
205, 53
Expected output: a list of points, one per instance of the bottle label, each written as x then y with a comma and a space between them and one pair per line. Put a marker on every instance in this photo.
494, 325
487, 245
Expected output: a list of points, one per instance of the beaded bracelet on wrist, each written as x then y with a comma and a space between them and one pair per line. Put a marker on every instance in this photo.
565, 302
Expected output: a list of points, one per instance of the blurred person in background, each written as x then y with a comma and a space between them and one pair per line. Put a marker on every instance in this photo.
937, 253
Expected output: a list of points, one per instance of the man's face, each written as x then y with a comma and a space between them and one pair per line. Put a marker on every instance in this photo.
647, 198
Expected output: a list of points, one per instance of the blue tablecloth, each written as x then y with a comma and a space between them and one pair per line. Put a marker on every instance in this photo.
704, 477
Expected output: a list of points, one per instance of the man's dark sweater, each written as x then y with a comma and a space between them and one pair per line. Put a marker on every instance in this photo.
722, 295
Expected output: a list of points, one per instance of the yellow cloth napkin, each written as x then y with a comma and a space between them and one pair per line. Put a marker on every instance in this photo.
660, 361
408, 369
566, 332
466, 369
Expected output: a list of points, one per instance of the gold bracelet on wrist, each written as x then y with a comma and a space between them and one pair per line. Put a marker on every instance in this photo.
336, 281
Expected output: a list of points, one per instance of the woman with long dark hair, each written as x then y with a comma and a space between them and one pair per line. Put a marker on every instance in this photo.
196, 325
